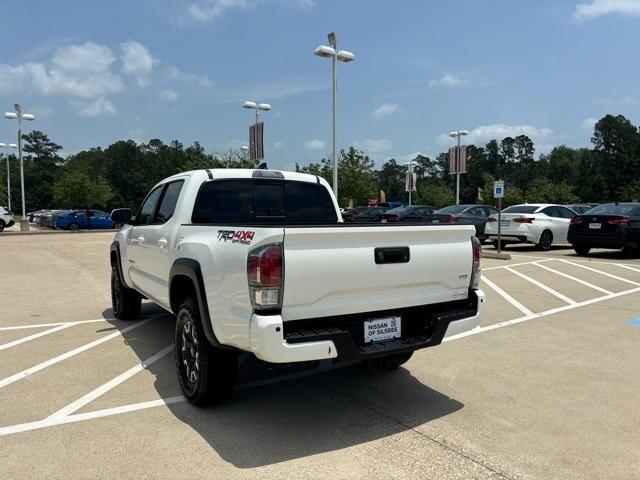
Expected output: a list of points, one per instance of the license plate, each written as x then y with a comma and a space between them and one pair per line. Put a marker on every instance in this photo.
505, 223
435, 221
595, 225
384, 220
382, 329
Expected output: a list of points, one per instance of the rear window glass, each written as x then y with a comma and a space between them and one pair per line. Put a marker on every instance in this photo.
399, 210
452, 209
263, 202
613, 209
520, 209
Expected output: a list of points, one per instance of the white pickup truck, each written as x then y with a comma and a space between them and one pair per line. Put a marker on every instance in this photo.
260, 261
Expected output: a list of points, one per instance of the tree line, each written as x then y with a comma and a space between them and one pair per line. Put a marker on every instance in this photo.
122, 174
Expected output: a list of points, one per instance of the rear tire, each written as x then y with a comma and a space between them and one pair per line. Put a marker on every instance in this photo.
207, 374
546, 240
74, 226
582, 251
125, 301
2, 225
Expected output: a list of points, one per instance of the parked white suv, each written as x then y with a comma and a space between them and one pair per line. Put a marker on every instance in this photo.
540, 223
6, 218
260, 261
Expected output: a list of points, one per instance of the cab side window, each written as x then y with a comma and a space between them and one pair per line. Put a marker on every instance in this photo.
478, 212
145, 214
551, 212
168, 202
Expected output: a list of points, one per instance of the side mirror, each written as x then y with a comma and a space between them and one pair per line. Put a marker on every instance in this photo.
121, 216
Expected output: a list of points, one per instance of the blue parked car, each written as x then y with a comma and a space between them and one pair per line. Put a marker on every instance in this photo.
77, 219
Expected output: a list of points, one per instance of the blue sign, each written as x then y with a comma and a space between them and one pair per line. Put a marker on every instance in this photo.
634, 322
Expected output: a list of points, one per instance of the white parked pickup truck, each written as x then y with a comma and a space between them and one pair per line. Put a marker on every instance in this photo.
260, 261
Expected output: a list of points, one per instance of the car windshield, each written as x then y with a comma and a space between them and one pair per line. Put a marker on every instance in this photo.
521, 209
613, 209
452, 209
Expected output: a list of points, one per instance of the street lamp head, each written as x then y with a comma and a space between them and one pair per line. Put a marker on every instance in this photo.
11, 115
3, 145
13, 145
453, 134
244, 148
345, 56
264, 106
28, 116
324, 51
249, 105
463, 132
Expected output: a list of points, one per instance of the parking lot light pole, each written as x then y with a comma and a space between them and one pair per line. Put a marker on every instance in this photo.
18, 115
410, 163
335, 55
8, 146
458, 134
257, 107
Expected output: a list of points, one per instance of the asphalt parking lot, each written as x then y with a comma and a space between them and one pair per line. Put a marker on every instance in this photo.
546, 388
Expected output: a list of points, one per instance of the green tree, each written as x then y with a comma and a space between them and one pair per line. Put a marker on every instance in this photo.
617, 141
391, 178
543, 190
78, 190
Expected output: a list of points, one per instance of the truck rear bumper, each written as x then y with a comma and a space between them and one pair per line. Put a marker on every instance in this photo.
298, 341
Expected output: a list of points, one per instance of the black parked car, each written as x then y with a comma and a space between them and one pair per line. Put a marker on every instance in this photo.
411, 213
370, 214
611, 225
476, 215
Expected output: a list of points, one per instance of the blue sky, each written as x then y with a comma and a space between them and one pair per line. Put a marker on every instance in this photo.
94, 72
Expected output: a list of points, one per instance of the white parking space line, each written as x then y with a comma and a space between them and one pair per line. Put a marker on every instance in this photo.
79, 417
526, 318
628, 267
518, 264
41, 366
111, 384
507, 297
601, 272
4, 346
55, 324
541, 285
575, 279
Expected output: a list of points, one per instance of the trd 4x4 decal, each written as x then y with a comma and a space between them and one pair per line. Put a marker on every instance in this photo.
236, 236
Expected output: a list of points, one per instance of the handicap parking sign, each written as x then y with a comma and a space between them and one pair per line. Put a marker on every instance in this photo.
498, 189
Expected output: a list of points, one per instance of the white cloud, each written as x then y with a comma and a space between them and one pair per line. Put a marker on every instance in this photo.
42, 112
315, 144
174, 73
597, 8
385, 109
168, 95
209, 9
82, 73
374, 146
278, 145
100, 106
449, 80
137, 61
589, 123
481, 135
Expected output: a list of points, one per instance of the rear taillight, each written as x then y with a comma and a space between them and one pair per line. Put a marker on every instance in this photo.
524, 220
394, 218
620, 221
477, 255
491, 219
265, 269
576, 221
450, 219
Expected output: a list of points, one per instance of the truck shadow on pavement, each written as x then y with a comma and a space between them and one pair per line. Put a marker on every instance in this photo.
273, 417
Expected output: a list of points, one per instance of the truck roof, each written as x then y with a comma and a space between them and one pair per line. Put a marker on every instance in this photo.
218, 173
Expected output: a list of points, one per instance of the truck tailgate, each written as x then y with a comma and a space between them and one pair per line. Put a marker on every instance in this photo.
333, 270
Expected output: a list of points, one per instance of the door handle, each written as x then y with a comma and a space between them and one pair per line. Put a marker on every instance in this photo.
140, 239
162, 242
